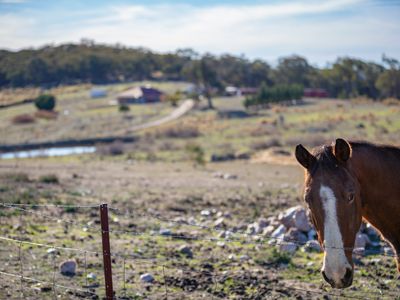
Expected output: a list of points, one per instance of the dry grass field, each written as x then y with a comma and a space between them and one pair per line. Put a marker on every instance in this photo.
170, 177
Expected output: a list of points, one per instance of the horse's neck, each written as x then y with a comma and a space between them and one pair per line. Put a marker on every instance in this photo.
379, 179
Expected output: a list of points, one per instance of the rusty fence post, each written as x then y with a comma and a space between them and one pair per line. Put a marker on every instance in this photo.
106, 252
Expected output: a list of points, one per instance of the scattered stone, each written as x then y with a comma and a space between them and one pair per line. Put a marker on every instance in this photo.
278, 231
295, 235
288, 247
312, 234
263, 222
312, 246
165, 232
68, 268
146, 278
230, 176
268, 230
220, 222
91, 276
388, 251
52, 251
205, 213
359, 250
362, 240
231, 257
371, 231
42, 287
295, 217
186, 250
221, 244
244, 257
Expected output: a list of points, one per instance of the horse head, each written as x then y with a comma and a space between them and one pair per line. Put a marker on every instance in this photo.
332, 194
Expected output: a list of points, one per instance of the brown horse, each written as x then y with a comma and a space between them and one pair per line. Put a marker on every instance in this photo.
345, 182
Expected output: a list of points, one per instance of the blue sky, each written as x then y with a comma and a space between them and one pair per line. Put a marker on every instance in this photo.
319, 30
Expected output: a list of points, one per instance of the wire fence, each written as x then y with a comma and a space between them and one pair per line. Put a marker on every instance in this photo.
131, 263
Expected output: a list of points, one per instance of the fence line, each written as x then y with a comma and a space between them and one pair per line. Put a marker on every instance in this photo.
58, 220
47, 245
45, 282
262, 239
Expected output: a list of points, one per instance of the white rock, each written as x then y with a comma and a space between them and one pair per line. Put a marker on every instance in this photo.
230, 176
52, 251
220, 222
279, 231
244, 257
300, 220
295, 216
288, 247
312, 234
362, 240
146, 278
359, 250
205, 213
371, 231
165, 232
262, 223
186, 250
68, 268
91, 276
312, 245
268, 230
295, 235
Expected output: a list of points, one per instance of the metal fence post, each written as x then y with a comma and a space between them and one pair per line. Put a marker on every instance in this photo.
106, 252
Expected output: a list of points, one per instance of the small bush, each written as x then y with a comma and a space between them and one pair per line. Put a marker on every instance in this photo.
263, 145
280, 257
23, 119
45, 102
196, 153
16, 177
49, 178
115, 148
391, 101
124, 108
179, 131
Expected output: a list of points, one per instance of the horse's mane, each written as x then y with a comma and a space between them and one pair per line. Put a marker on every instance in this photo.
327, 160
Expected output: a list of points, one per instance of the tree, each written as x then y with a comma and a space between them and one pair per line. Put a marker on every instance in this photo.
45, 102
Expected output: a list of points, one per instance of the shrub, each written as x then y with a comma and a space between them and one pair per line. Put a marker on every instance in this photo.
196, 153
49, 178
124, 108
263, 145
45, 102
184, 131
23, 119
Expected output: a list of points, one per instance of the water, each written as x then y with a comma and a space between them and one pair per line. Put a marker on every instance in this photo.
48, 152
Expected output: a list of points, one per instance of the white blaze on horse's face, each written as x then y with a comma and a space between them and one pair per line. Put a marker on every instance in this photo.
336, 266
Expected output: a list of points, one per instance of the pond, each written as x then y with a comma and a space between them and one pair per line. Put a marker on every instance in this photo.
47, 152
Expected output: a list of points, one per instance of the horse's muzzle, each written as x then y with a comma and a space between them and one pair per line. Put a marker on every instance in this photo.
346, 281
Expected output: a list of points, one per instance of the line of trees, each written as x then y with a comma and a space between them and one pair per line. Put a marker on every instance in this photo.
96, 63
278, 93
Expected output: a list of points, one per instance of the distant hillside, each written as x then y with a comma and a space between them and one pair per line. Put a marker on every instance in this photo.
96, 63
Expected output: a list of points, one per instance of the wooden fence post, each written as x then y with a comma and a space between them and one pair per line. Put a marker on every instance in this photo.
106, 252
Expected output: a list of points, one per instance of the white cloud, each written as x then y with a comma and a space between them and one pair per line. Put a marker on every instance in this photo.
263, 30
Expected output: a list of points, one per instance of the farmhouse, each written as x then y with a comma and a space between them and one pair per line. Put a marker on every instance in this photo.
140, 95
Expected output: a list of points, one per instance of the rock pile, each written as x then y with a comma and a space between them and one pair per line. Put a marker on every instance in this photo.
291, 230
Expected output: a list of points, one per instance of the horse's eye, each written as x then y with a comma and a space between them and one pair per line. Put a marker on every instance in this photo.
351, 197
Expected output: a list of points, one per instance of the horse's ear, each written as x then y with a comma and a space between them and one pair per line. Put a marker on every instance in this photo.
342, 150
305, 158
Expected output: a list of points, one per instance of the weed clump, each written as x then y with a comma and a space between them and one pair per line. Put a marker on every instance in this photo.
49, 178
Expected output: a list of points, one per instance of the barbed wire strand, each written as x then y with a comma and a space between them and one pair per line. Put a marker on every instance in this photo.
55, 219
242, 233
46, 282
47, 245
50, 205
